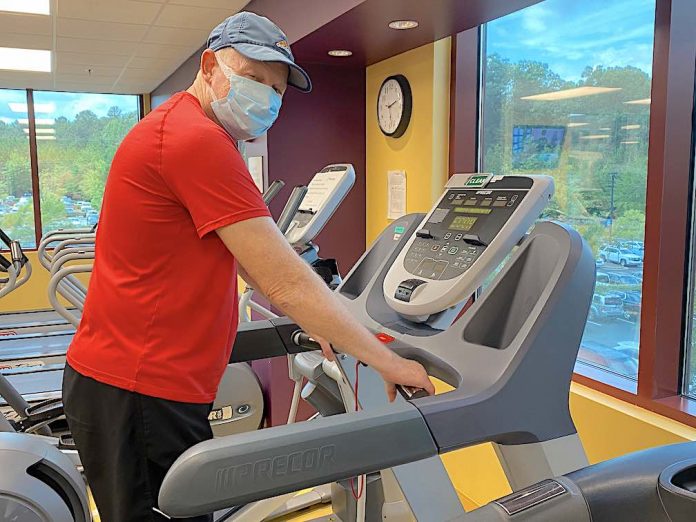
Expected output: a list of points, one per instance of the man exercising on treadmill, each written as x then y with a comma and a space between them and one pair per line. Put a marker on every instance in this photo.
181, 216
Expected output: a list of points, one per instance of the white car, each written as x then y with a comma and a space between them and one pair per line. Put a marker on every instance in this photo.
620, 256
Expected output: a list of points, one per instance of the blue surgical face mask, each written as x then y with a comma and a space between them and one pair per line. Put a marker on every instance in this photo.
249, 109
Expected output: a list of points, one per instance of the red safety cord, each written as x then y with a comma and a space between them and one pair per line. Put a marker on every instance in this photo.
361, 486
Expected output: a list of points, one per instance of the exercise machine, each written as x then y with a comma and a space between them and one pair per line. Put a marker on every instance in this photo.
39, 340
509, 358
40, 479
239, 404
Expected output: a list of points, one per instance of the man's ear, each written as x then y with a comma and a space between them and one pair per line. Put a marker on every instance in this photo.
208, 64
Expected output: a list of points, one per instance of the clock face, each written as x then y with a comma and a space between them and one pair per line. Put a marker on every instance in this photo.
394, 106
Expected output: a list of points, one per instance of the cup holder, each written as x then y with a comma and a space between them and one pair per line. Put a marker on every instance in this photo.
677, 489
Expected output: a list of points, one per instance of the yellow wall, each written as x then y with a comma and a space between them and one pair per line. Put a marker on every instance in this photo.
422, 150
33, 295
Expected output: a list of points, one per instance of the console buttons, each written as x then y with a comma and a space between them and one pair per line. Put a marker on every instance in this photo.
435, 247
453, 250
448, 235
443, 249
486, 202
514, 198
458, 237
469, 260
424, 233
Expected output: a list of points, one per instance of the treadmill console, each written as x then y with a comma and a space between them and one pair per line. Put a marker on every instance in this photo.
474, 225
325, 193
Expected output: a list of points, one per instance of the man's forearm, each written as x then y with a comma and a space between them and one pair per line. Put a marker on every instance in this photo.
310, 303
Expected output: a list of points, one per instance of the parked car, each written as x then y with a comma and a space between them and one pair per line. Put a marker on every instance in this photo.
599, 262
620, 256
605, 307
631, 303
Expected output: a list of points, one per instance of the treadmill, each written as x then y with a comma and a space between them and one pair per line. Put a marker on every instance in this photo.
37, 340
509, 358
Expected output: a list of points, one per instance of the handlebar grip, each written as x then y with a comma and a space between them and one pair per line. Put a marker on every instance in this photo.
410, 393
304, 340
18, 257
272, 191
4, 263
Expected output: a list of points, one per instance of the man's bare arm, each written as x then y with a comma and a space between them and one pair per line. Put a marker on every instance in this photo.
276, 270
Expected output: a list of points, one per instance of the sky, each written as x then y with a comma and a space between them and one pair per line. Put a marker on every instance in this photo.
64, 104
569, 35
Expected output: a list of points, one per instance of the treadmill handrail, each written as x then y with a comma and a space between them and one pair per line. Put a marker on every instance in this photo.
243, 468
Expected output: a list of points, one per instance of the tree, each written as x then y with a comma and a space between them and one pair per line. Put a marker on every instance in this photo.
630, 226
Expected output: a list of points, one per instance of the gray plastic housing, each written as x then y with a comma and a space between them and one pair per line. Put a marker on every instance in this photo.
529, 322
217, 474
645, 485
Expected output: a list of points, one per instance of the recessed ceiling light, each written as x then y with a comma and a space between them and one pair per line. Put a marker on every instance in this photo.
45, 137
38, 107
403, 24
595, 137
630, 127
631, 142
642, 101
340, 52
605, 128
38, 121
570, 93
35, 60
42, 7
577, 124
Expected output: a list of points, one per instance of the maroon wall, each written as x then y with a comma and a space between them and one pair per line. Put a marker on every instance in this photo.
316, 129
313, 130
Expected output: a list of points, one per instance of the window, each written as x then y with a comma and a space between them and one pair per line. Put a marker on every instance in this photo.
16, 202
566, 92
77, 136
690, 361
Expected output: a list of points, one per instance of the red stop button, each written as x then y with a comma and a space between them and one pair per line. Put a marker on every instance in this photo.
385, 338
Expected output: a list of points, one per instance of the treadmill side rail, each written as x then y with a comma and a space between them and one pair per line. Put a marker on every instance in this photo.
243, 468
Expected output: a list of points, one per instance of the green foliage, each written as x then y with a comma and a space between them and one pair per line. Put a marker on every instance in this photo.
605, 145
630, 226
74, 165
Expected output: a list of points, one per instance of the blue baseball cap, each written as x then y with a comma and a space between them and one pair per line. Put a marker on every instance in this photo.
258, 38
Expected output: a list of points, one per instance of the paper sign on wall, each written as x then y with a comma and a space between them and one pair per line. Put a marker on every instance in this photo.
396, 194
255, 164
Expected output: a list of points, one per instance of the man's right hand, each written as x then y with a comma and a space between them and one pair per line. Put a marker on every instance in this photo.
404, 372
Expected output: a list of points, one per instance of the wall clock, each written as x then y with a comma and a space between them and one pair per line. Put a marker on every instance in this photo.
394, 105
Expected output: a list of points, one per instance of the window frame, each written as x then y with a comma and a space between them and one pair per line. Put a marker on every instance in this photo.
33, 156
670, 188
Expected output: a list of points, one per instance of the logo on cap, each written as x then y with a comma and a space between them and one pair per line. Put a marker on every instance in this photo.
283, 44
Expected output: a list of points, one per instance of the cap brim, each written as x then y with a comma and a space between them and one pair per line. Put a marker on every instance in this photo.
298, 78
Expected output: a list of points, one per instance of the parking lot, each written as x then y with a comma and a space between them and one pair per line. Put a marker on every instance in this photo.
613, 342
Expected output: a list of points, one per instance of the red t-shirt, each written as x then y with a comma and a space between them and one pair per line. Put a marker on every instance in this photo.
161, 312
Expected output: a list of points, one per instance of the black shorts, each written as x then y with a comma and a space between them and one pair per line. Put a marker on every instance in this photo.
127, 442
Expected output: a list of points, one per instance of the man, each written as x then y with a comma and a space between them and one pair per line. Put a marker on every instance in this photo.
181, 216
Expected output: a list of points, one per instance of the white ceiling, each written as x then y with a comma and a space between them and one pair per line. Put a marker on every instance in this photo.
111, 46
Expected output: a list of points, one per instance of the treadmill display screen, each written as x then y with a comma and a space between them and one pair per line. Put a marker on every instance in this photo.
463, 223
